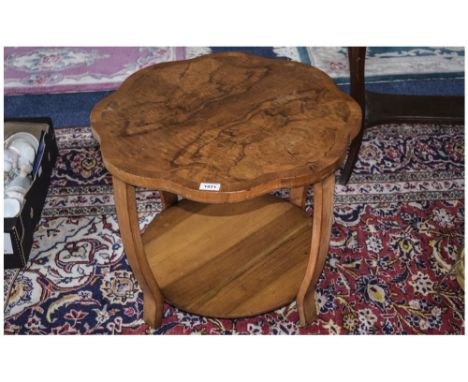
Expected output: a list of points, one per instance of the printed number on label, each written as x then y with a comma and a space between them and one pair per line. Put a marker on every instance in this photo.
209, 186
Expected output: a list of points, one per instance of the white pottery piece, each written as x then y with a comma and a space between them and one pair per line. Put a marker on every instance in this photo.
11, 207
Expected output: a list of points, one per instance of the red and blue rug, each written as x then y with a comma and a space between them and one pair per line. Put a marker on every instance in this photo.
398, 231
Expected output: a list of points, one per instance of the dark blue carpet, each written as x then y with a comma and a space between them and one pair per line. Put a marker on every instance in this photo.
65, 110
443, 87
264, 51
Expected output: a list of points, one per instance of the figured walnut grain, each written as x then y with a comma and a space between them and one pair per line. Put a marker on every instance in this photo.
249, 123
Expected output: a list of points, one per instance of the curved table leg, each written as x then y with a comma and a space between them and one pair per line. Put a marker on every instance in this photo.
321, 230
125, 204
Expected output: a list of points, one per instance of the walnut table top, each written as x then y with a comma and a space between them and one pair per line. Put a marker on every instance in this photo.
247, 123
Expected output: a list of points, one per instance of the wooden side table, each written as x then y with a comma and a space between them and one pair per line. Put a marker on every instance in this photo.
223, 131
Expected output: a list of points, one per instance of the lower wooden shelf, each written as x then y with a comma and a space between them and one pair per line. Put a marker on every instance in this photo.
229, 260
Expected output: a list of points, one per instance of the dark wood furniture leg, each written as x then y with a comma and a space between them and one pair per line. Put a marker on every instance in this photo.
356, 57
394, 108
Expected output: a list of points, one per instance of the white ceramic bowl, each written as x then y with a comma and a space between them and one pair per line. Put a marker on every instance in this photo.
19, 184
28, 137
10, 157
11, 207
25, 145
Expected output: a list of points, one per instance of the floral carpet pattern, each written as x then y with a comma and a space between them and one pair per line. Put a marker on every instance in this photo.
392, 63
42, 70
397, 234
77, 69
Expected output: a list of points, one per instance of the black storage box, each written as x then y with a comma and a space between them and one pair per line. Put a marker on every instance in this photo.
19, 230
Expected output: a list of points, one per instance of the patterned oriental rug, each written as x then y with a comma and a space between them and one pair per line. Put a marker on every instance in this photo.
398, 231
41, 70
78, 69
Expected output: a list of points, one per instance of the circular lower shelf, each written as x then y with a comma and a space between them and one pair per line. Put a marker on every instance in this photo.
229, 260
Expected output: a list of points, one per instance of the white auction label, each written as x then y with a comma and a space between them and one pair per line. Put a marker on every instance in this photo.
209, 186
